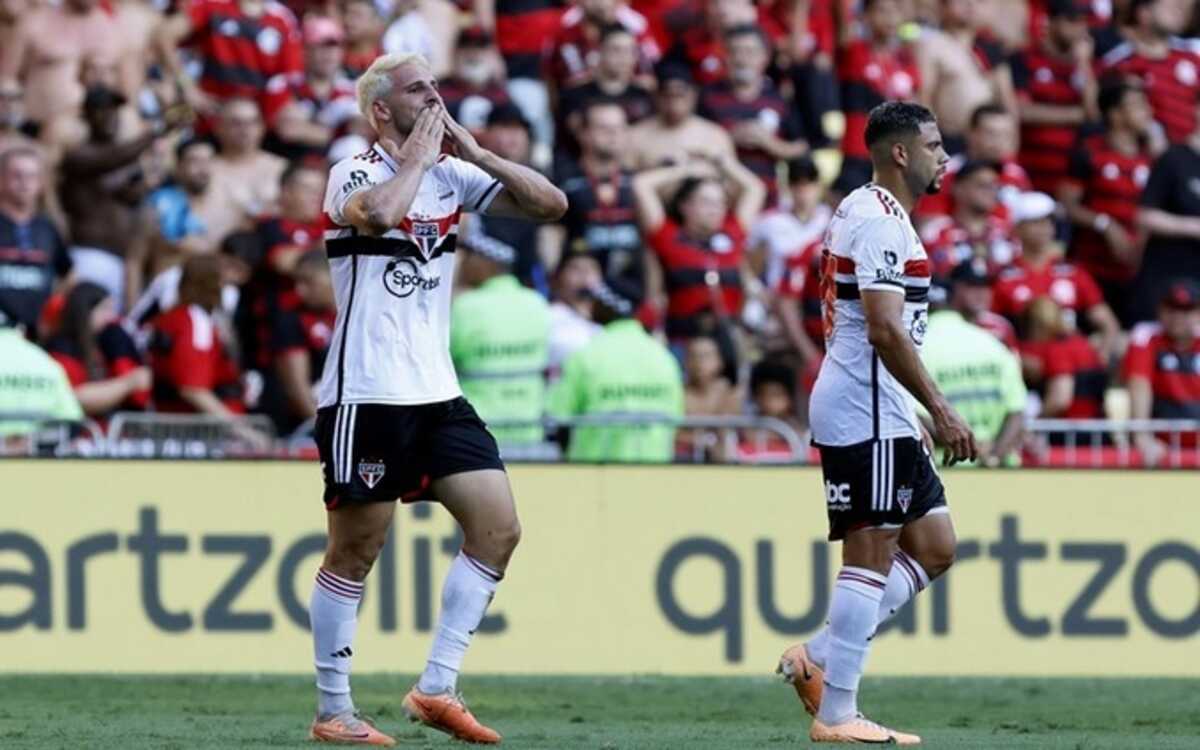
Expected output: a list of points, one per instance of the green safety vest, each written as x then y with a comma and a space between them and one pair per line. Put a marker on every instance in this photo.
498, 336
622, 370
978, 374
31, 382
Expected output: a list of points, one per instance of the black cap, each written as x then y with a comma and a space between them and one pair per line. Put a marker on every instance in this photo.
1181, 295
1066, 8
673, 71
507, 114
974, 271
475, 36
102, 97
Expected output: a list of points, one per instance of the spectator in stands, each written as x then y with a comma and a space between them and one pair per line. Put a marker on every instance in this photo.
1056, 91
1060, 361
15, 130
781, 235
33, 256
707, 391
308, 111
772, 395
100, 359
1101, 193
364, 28
239, 254
242, 44
1169, 70
31, 383
102, 191
178, 205
246, 177
971, 296
509, 134
763, 125
973, 230
699, 243
47, 52
498, 339
962, 68
1170, 212
189, 353
677, 134
299, 342
978, 374
878, 67
410, 32
571, 312
1162, 366
612, 80
475, 85
574, 51
601, 219
992, 137
1042, 271
598, 380
701, 29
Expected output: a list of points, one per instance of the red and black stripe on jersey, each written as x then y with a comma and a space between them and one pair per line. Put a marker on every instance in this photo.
1173, 372
700, 276
1172, 82
869, 76
1044, 78
913, 270
601, 221
769, 109
523, 28
241, 52
1112, 184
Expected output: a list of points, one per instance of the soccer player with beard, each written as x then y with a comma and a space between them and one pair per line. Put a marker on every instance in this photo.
885, 500
391, 420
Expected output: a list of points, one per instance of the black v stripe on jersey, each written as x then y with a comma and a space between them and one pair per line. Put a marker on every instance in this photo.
390, 247
341, 378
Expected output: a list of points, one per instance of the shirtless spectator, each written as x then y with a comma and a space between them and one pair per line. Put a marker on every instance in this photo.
265, 42
476, 84
47, 52
33, 256
364, 31
307, 111
700, 29
961, 69
612, 80
102, 192
573, 53
677, 134
244, 175
15, 130
707, 392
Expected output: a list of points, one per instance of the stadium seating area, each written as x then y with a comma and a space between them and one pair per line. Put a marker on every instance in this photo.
163, 165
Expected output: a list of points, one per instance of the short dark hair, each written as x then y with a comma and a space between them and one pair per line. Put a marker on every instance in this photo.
892, 120
990, 109
748, 29
685, 191
769, 371
1134, 7
1112, 94
187, 144
585, 112
972, 166
613, 29
294, 168
802, 169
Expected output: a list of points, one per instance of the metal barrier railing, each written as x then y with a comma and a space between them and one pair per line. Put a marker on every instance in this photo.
157, 435
1110, 443
39, 434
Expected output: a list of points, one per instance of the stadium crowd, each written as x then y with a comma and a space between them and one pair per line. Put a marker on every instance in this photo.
163, 163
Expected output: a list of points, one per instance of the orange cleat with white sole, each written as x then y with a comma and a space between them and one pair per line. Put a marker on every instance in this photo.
860, 731
348, 729
803, 675
448, 713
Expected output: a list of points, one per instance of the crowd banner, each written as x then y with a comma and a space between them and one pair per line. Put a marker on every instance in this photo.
113, 566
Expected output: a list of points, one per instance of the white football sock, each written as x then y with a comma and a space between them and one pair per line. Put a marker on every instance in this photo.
333, 614
853, 614
466, 594
906, 579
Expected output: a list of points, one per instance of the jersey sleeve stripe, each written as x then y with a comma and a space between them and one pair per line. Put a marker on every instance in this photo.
488, 196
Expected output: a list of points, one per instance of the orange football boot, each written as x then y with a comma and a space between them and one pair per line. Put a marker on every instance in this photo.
348, 729
805, 676
448, 713
860, 730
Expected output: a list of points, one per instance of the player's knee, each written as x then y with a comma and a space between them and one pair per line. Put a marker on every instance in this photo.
353, 558
939, 558
495, 545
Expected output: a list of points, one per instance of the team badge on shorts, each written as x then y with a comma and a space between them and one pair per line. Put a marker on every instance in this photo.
904, 497
371, 472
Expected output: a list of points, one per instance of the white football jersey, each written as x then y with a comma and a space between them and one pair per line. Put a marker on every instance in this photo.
870, 245
391, 342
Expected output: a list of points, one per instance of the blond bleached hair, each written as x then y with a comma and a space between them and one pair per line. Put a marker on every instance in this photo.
377, 81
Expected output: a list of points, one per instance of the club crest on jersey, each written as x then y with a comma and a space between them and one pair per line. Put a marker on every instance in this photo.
371, 471
402, 277
425, 234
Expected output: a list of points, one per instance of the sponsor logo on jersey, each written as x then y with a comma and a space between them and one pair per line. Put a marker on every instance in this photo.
358, 178
402, 277
371, 471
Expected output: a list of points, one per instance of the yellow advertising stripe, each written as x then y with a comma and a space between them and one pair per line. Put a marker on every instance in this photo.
208, 566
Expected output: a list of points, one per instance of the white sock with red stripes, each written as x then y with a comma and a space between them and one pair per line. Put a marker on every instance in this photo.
906, 579
853, 615
466, 594
333, 615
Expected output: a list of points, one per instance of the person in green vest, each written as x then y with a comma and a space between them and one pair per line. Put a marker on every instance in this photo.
979, 375
621, 372
499, 333
33, 387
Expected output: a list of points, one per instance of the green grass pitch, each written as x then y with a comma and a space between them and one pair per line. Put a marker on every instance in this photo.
565, 713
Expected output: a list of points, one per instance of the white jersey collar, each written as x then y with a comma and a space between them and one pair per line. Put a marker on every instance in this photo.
387, 159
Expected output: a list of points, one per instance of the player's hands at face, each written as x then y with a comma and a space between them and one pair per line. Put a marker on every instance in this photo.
956, 436
464, 144
424, 143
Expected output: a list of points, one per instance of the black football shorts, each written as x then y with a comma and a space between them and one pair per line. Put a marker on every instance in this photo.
382, 452
880, 484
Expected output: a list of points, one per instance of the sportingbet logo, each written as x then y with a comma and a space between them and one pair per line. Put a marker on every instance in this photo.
837, 495
402, 277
